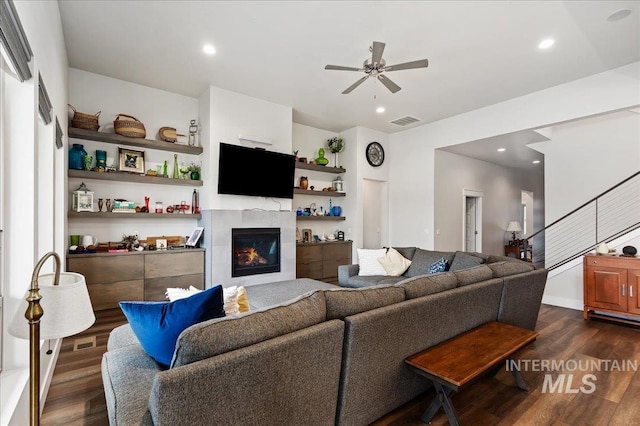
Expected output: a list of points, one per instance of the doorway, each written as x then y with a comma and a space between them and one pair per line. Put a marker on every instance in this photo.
374, 214
472, 226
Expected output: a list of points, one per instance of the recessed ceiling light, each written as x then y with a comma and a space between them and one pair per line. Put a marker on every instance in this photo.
536, 161
209, 49
546, 43
380, 110
502, 149
618, 15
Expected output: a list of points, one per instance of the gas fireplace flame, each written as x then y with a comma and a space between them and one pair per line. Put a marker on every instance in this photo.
249, 256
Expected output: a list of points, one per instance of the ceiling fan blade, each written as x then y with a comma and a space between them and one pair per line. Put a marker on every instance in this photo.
423, 63
388, 83
377, 48
341, 68
354, 85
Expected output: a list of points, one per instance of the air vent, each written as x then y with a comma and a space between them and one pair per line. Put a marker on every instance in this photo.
84, 343
405, 121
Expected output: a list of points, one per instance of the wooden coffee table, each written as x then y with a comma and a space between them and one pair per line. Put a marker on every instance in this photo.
457, 361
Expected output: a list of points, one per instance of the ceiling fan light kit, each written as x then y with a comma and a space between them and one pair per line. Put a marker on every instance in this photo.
375, 66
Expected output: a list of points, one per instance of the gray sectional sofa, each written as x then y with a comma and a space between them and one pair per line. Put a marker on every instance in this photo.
312, 353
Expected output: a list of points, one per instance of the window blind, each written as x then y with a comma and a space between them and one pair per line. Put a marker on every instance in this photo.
14, 40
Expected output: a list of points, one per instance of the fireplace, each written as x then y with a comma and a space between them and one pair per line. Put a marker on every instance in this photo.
255, 251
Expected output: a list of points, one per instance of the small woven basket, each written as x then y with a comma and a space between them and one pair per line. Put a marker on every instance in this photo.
132, 128
80, 120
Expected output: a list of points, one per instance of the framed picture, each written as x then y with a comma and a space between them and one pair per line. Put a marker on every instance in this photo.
194, 237
161, 244
307, 236
131, 160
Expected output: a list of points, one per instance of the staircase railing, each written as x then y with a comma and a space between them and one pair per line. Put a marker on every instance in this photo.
611, 214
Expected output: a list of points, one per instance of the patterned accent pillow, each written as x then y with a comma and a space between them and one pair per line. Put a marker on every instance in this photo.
439, 266
368, 262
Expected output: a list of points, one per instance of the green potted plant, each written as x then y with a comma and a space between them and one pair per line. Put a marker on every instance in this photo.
194, 171
335, 145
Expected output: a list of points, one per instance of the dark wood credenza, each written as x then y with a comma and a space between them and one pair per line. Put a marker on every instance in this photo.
320, 261
114, 277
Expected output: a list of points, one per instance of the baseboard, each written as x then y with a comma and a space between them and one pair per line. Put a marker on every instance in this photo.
563, 302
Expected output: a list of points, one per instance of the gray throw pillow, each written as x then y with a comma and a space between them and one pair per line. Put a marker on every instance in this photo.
422, 259
406, 252
462, 260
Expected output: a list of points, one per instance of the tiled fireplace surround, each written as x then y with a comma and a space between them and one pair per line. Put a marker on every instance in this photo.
216, 239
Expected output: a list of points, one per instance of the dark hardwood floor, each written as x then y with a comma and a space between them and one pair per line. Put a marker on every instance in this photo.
76, 396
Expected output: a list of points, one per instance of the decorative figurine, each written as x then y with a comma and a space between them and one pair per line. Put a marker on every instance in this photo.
193, 130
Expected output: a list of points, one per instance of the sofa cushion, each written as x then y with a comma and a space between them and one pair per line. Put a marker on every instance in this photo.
493, 258
344, 302
368, 261
394, 263
357, 281
504, 269
406, 252
425, 285
222, 335
422, 259
463, 260
120, 337
275, 293
157, 325
473, 275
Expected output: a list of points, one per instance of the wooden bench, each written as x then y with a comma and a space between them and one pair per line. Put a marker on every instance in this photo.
452, 364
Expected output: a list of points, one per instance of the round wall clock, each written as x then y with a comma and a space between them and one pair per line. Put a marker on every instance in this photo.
375, 154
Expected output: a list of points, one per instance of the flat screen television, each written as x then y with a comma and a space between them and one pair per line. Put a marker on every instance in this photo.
257, 172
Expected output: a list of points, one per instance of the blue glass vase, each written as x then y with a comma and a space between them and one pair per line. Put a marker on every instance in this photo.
336, 210
75, 157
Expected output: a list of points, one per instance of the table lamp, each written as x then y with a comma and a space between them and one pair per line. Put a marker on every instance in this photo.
65, 310
513, 227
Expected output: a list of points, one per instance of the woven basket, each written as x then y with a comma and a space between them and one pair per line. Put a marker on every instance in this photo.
80, 120
132, 128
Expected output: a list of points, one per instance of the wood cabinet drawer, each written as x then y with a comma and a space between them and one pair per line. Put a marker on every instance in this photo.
173, 264
309, 270
155, 288
330, 267
107, 296
107, 269
307, 254
335, 251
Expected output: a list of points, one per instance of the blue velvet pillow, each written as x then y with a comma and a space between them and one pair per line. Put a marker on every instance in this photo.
157, 325
439, 266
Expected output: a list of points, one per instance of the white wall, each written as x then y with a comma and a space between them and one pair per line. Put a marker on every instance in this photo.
501, 202
90, 93
607, 150
233, 114
21, 133
411, 188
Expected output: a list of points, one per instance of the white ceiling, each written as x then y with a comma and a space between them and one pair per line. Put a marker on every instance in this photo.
480, 52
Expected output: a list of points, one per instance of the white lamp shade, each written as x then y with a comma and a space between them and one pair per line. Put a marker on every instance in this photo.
514, 226
66, 308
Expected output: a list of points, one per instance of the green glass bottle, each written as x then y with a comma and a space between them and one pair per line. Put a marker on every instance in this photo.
176, 172
165, 168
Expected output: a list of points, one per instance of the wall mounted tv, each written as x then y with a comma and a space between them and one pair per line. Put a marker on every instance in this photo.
257, 172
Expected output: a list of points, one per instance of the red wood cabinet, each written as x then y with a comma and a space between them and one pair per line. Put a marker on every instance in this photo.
611, 286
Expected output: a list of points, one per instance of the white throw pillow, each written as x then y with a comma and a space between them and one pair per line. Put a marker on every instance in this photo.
231, 306
368, 261
230, 295
394, 263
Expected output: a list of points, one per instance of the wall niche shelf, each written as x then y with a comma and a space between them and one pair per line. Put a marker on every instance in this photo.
137, 142
317, 168
321, 218
320, 193
111, 215
130, 177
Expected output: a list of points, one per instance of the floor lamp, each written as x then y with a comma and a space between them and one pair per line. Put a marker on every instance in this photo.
65, 310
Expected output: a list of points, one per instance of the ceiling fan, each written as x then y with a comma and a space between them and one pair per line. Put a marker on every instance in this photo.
375, 66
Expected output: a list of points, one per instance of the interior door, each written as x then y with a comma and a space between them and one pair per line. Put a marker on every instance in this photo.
372, 194
471, 229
